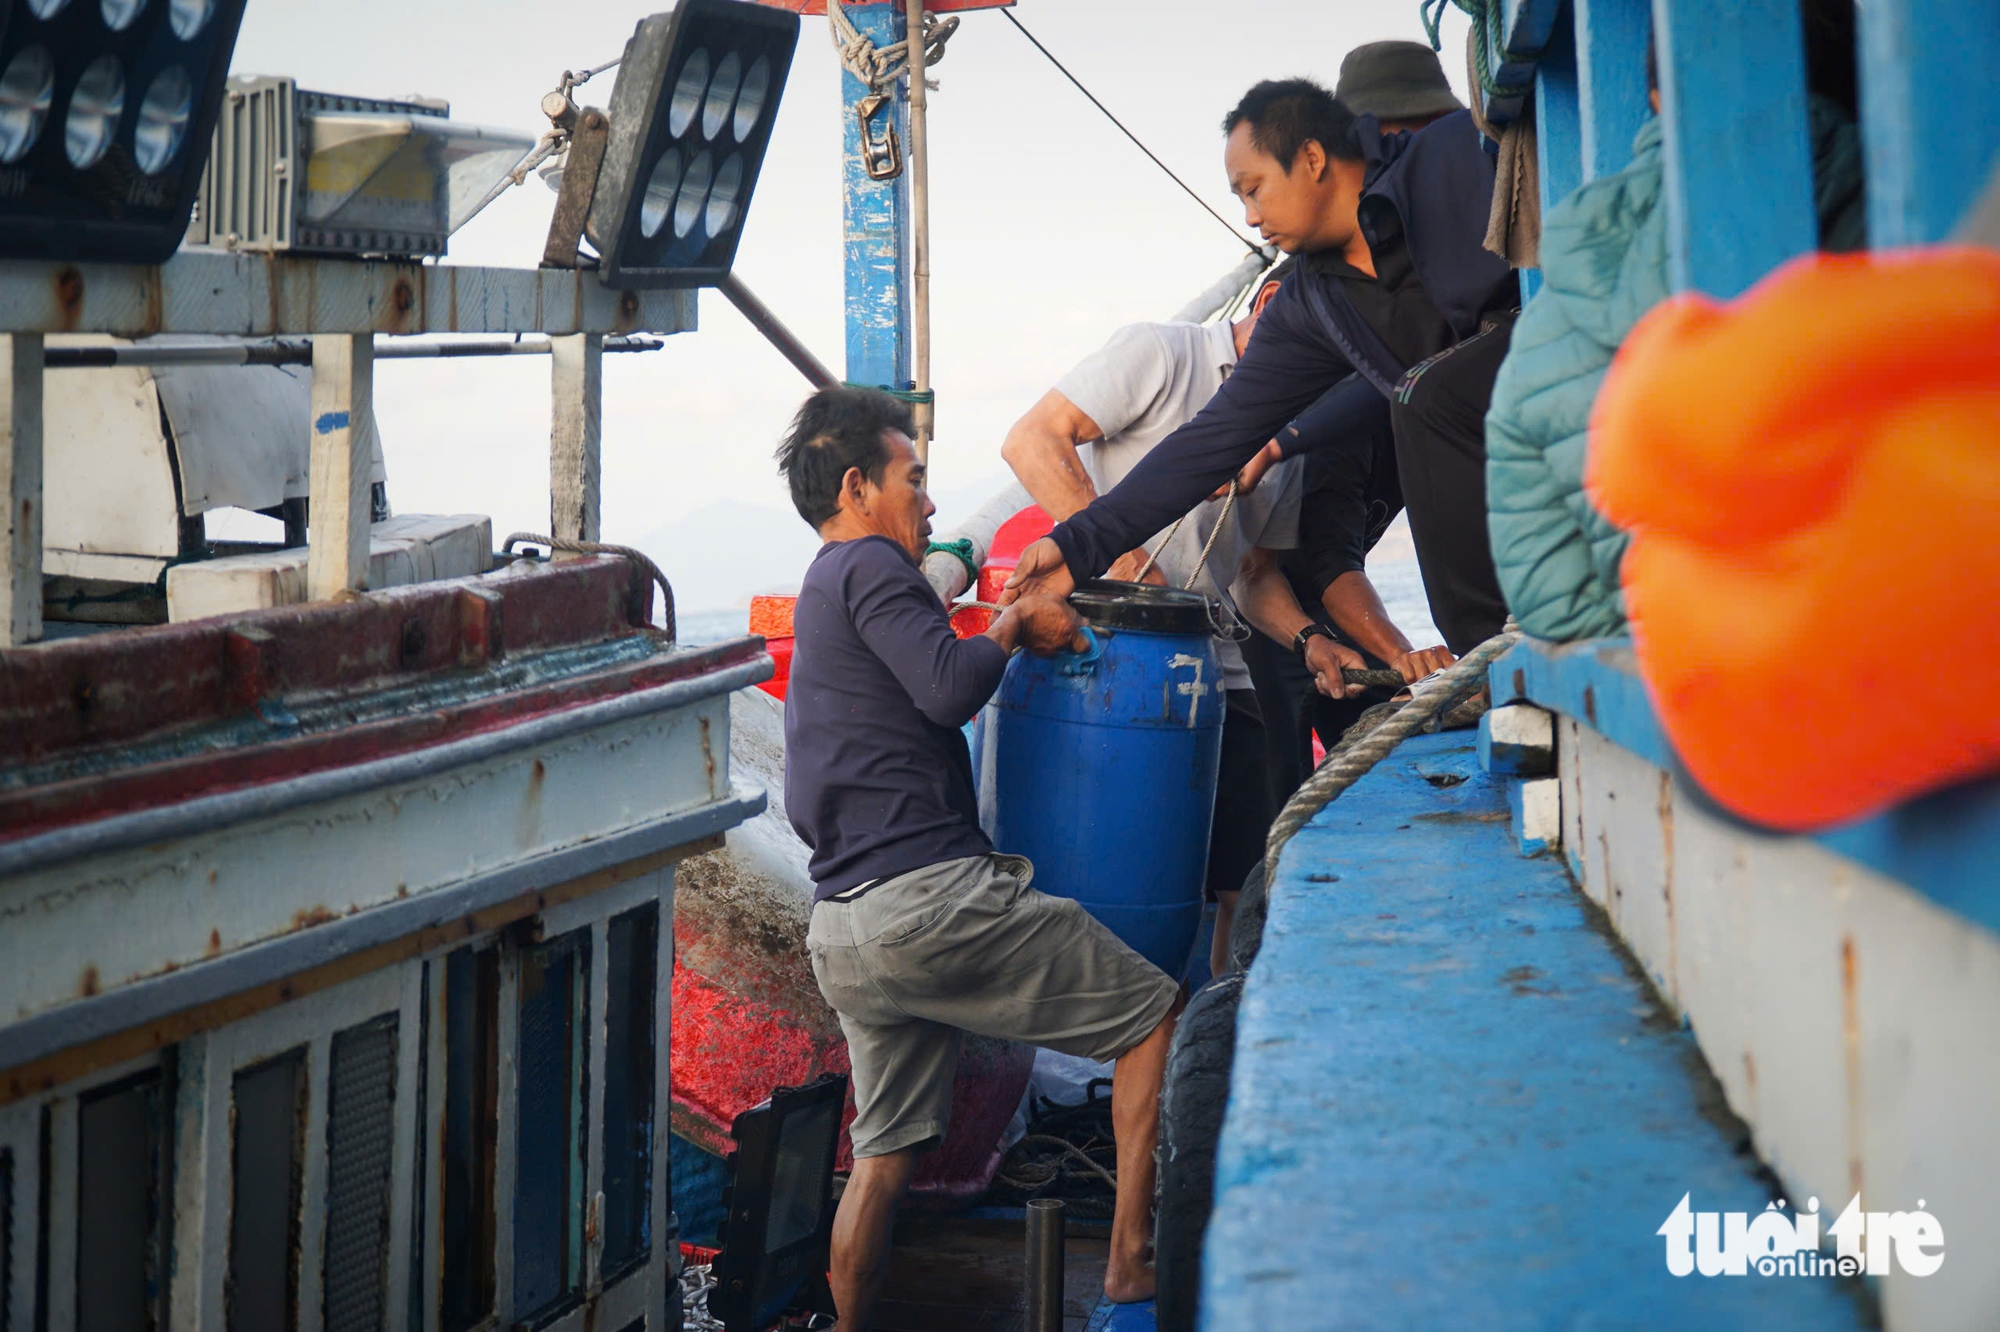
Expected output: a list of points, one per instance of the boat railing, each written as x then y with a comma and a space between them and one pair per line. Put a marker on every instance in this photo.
341, 305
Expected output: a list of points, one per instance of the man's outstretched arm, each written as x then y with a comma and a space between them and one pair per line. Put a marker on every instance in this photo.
1352, 602
1266, 600
1042, 448
1285, 368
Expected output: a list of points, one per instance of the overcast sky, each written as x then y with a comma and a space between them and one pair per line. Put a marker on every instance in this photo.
1049, 230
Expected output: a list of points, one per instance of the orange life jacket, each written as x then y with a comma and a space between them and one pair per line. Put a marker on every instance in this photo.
1812, 477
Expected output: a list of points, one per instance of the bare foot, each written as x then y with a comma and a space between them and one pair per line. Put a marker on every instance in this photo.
1129, 1283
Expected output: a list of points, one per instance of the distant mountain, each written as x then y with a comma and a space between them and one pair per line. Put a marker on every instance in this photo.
721, 556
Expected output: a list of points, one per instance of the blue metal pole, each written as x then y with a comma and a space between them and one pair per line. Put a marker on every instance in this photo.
1558, 135
1738, 155
1611, 80
1930, 113
1558, 123
877, 224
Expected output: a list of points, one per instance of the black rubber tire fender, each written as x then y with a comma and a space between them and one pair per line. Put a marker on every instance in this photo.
1246, 931
1192, 1099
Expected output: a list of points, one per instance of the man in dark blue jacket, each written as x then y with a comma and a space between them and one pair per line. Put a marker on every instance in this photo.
1389, 229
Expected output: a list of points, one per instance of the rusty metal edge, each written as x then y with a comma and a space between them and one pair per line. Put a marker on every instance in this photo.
160, 997
147, 827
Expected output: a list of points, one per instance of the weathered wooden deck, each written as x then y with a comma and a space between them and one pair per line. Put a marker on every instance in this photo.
965, 1274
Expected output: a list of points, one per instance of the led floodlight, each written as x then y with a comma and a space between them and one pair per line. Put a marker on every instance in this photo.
105, 113
691, 118
779, 1216
331, 174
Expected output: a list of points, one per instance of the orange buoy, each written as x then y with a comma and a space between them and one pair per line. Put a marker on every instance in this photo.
1811, 474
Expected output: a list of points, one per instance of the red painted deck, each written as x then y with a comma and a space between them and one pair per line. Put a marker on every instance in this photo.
152, 716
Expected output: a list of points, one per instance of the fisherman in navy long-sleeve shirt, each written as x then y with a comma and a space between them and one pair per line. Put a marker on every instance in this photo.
1393, 274
920, 931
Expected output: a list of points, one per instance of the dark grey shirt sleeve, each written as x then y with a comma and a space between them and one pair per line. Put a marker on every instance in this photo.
898, 616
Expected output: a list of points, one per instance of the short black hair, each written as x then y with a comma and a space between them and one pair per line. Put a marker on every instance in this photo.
838, 428
1284, 113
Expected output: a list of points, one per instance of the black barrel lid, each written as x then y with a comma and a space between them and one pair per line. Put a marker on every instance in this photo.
1146, 607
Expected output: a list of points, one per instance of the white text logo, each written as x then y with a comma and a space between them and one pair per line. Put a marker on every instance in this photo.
1775, 1243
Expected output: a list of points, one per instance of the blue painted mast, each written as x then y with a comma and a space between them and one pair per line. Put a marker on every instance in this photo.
877, 218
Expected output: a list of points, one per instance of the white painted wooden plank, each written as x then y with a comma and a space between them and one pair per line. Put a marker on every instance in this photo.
1760, 928
343, 428
409, 548
133, 913
21, 488
576, 428
312, 1193
507, 1136
196, 1212
598, 1035
216, 1204
664, 1270
1536, 804
432, 1218
1926, 988
107, 481
403, 1156
245, 295
1847, 1017
1571, 776
615, 900
1624, 800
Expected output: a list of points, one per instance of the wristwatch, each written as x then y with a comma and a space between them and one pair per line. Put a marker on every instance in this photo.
1313, 630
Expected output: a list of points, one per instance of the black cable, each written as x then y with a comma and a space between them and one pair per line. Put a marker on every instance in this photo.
1008, 14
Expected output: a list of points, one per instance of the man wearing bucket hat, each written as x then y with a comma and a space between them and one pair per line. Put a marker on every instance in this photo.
1401, 84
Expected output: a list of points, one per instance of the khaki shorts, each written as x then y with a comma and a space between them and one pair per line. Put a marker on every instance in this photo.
967, 945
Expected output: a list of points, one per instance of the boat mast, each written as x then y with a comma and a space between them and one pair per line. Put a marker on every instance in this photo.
925, 407
875, 201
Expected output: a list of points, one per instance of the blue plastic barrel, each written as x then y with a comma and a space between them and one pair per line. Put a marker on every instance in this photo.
1100, 766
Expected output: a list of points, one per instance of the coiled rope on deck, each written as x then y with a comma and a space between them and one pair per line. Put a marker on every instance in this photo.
1068, 1153
1356, 756
638, 557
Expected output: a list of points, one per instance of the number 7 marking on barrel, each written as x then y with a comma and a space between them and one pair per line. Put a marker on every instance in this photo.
1193, 689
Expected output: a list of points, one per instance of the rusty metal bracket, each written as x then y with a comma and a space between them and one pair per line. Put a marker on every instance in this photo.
882, 157
579, 189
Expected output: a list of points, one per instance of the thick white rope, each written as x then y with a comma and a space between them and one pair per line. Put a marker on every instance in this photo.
880, 66
1356, 755
1153, 556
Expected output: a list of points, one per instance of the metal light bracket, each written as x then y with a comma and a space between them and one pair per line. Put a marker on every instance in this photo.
587, 137
882, 157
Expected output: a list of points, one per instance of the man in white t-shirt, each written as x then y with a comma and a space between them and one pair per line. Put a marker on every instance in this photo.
1083, 437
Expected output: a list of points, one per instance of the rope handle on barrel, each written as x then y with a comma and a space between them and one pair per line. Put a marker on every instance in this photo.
1082, 663
1153, 556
